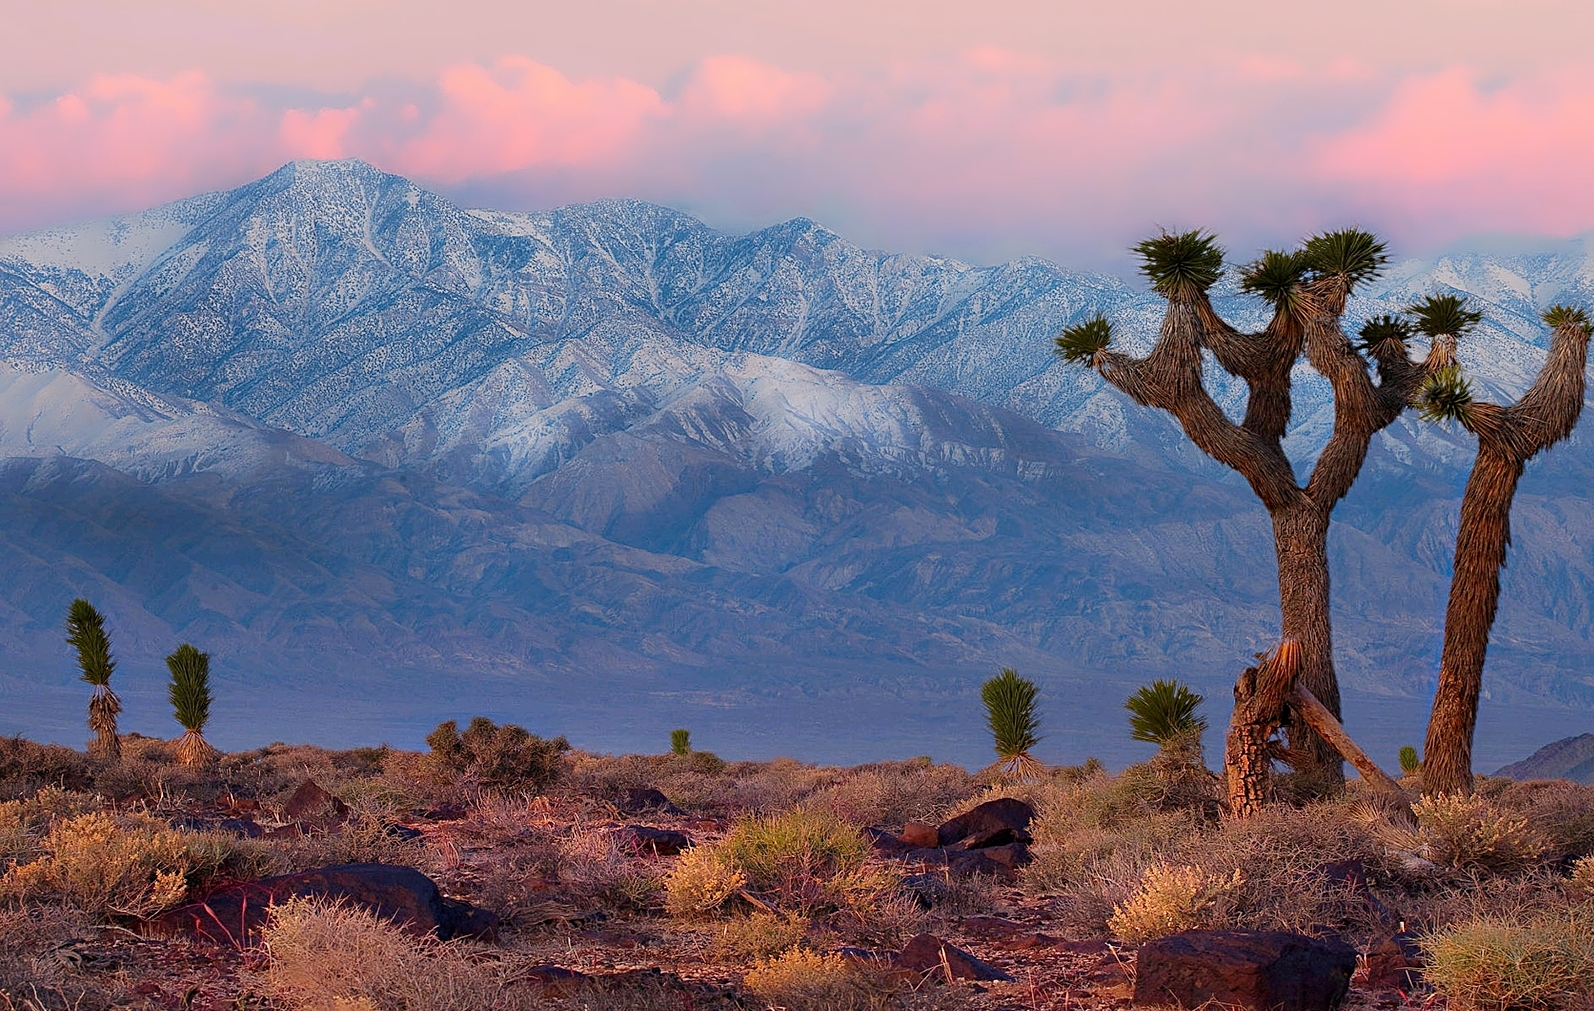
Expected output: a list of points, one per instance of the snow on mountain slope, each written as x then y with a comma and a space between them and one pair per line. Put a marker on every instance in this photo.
609, 427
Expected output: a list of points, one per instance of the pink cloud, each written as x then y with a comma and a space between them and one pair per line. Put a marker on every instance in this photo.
1515, 157
986, 152
518, 114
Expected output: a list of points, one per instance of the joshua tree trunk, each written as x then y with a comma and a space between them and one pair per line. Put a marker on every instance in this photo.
1308, 290
1507, 438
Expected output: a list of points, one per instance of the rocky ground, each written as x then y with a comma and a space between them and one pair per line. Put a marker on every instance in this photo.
375, 879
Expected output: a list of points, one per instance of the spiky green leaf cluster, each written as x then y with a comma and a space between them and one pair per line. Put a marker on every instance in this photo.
1181, 263
189, 690
1080, 343
1162, 711
1410, 761
1438, 315
1384, 328
680, 741
1276, 276
1349, 253
1558, 316
85, 632
1446, 395
1011, 713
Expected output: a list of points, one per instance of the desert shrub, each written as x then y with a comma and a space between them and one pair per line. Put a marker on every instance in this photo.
1502, 964
595, 862
892, 793
25, 767
507, 757
761, 935
366, 837
1582, 880
1410, 761
802, 980
1561, 812
132, 865
801, 859
1171, 899
700, 883
24, 823
330, 957
1473, 831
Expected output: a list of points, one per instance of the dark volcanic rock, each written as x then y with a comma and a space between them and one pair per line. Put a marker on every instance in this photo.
401, 894
988, 819
657, 842
644, 800
1263, 970
934, 958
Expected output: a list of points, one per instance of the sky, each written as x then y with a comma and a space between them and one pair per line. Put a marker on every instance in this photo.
981, 131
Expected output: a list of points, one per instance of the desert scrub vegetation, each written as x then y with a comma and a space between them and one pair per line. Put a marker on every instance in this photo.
507, 757
1502, 963
1171, 899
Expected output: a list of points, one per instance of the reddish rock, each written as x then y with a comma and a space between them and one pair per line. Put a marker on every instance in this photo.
1027, 942
1263, 970
401, 894
1394, 963
884, 842
932, 958
990, 817
311, 805
919, 835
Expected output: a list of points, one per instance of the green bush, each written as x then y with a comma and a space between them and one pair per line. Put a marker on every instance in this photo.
508, 757
1164, 712
680, 741
1014, 720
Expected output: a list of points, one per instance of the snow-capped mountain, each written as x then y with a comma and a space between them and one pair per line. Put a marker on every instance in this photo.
405, 436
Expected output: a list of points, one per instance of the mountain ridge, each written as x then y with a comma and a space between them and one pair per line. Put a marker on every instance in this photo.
608, 431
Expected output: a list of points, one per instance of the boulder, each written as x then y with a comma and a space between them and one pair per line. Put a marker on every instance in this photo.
401, 894
990, 817
644, 800
657, 842
933, 958
311, 805
1261, 970
919, 835
1394, 963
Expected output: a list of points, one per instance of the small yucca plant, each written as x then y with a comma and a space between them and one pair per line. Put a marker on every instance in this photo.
85, 632
189, 692
1014, 719
680, 741
1410, 762
1164, 712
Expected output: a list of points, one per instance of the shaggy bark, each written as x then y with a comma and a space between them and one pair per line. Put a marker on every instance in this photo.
1262, 696
1508, 437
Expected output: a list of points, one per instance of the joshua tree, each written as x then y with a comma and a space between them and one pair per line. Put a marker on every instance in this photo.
1508, 437
189, 692
85, 632
680, 741
1164, 713
1011, 714
1307, 289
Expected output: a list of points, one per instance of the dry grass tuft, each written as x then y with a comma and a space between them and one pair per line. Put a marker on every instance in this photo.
802, 980
1172, 899
1501, 964
330, 957
761, 935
